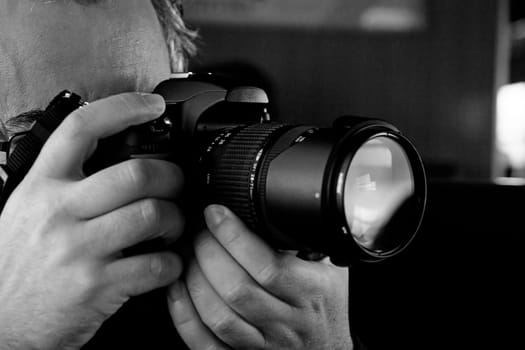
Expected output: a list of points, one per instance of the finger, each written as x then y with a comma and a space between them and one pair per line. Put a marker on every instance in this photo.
234, 286
76, 138
280, 274
187, 321
137, 222
143, 273
224, 322
124, 183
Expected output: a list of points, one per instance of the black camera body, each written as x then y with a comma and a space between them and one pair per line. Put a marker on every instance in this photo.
355, 192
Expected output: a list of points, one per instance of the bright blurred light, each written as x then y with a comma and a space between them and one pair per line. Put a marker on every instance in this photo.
510, 126
386, 18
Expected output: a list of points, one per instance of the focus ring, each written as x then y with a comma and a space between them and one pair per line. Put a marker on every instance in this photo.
232, 178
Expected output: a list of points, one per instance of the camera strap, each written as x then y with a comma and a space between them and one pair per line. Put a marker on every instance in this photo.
19, 161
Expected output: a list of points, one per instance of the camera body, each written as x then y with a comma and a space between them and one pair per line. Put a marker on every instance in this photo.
197, 107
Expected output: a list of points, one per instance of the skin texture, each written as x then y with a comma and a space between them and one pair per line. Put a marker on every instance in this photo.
61, 233
98, 50
262, 299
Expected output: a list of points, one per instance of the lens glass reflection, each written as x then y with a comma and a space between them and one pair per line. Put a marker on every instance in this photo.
378, 182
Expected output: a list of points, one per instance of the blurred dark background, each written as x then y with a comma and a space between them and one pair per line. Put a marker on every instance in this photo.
437, 84
457, 286
517, 73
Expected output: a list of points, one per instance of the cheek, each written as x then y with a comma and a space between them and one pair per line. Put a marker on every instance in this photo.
131, 62
135, 47
46, 47
106, 65
101, 54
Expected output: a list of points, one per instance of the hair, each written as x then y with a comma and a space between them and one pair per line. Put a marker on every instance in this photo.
180, 41
179, 38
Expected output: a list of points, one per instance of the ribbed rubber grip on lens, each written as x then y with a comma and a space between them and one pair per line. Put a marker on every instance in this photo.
232, 181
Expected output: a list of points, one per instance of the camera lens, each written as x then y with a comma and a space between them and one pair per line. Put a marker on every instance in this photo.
378, 180
355, 192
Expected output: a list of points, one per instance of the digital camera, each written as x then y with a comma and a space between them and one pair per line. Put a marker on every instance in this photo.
355, 192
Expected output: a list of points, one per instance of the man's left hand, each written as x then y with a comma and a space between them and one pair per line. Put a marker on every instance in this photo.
240, 293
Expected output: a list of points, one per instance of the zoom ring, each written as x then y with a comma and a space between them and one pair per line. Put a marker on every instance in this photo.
232, 180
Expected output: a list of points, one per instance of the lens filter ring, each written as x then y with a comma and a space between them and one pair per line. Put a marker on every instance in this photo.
376, 192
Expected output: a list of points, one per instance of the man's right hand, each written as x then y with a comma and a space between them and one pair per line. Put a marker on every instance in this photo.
61, 233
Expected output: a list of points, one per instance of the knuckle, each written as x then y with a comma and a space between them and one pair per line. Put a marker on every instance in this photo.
163, 268
157, 266
63, 242
289, 338
222, 324
138, 173
232, 233
239, 296
270, 274
195, 288
63, 247
85, 282
317, 304
126, 102
150, 213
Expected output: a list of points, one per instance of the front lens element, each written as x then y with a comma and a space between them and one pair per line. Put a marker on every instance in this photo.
379, 180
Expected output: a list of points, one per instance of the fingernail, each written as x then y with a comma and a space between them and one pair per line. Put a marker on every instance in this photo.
155, 102
214, 215
175, 291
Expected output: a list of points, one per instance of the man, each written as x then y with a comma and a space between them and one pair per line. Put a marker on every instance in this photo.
62, 274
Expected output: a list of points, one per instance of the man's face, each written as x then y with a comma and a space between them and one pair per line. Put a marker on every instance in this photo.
94, 48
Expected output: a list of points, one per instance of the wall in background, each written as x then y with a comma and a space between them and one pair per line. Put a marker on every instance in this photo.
394, 15
437, 85
517, 73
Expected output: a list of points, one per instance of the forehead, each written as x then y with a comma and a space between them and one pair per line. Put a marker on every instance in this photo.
97, 47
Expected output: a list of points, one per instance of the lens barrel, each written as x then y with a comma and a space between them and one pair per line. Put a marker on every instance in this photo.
355, 192
231, 166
